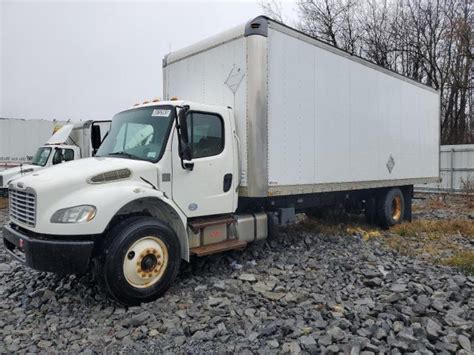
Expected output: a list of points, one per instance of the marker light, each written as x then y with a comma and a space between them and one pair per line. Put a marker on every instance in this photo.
156, 100
174, 98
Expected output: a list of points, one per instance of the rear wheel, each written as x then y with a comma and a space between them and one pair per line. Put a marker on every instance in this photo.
141, 260
391, 209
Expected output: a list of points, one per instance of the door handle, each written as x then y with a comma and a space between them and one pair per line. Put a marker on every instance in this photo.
227, 182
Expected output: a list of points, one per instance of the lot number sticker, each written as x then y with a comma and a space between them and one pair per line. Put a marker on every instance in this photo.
160, 113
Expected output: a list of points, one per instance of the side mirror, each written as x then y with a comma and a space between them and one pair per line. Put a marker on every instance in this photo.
184, 148
95, 137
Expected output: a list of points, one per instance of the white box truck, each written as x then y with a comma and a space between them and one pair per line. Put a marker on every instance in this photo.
271, 122
31, 134
70, 142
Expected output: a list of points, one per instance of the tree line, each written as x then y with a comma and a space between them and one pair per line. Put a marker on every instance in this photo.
429, 41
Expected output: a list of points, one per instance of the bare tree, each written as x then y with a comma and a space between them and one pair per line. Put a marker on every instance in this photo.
273, 9
427, 40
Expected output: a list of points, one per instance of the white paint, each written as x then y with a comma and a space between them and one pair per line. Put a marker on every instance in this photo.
61, 135
202, 78
19, 139
200, 192
333, 120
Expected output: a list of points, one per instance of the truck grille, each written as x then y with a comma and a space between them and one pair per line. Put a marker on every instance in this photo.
22, 205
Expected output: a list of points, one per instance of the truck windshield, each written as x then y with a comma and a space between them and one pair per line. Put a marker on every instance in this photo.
139, 133
41, 156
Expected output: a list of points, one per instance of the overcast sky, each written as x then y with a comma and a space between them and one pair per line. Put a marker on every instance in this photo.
89, 60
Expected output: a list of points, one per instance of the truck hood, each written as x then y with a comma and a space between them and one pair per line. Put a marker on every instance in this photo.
68, 185
16, 172
74, 174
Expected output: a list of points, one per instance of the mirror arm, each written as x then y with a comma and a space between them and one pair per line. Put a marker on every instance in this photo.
185, 166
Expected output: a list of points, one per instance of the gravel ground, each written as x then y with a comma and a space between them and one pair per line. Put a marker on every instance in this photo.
443, 206
303, 292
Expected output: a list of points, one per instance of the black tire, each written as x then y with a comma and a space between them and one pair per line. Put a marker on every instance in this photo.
116, 244
391, 208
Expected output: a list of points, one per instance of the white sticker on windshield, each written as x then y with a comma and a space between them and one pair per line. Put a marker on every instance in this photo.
151, 155
160, 113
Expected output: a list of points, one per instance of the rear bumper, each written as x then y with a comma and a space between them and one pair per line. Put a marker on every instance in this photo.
47, 253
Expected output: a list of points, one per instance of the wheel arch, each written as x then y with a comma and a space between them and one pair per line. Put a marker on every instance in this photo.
158, 208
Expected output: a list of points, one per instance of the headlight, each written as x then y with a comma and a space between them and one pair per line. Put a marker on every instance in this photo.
77, 214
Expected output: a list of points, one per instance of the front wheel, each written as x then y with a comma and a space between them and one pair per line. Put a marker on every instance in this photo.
141, 259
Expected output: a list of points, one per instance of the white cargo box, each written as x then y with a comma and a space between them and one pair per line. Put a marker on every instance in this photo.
19, 139
310, 117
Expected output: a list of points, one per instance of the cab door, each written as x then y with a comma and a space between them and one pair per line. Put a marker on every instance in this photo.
209, 188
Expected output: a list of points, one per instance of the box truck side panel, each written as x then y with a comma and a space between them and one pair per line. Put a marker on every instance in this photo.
334, 120
19, 139
217, 76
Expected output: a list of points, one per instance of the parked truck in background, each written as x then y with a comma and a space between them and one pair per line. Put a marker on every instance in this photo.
272, 122
70, 142
20, 138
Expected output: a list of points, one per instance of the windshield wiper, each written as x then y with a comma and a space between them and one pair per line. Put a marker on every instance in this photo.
131, 156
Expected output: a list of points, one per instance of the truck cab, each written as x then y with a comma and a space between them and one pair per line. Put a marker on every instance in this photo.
163, 185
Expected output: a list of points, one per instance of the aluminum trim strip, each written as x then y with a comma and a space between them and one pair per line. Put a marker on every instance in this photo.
335, 187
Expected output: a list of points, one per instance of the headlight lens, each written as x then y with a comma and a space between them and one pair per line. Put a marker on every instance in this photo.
77, 214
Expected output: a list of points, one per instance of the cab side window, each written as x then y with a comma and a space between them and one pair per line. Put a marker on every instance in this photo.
68, 154
206, 134
58, 156
62, 155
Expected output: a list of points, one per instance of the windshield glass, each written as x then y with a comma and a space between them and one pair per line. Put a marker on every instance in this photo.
41, 156
139, 134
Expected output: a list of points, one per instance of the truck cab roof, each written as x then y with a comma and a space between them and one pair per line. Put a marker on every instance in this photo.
178, 103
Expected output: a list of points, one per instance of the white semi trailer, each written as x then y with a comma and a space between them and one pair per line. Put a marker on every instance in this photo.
271, 122
70, 142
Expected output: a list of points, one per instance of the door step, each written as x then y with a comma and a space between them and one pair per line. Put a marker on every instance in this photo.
218, 247
198, 224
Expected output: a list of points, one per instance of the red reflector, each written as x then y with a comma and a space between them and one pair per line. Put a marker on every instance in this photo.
22, 243
215, 234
